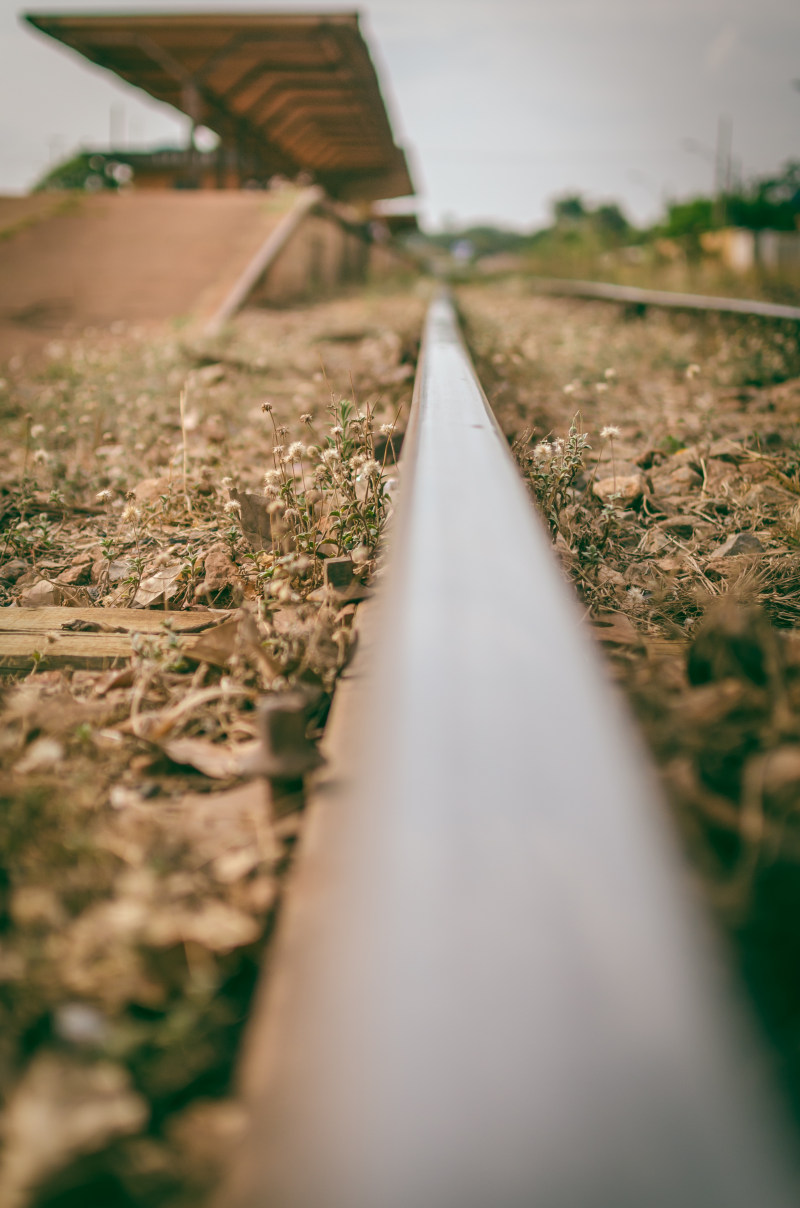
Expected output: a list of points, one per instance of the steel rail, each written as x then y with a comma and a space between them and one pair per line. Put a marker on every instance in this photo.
490, 988
633, 296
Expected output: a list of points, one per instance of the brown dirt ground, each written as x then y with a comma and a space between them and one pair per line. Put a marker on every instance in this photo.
137, 893
682, 536
93, 261
95, 995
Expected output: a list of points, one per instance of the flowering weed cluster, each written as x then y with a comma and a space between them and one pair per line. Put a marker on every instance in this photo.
325, 499
552, 468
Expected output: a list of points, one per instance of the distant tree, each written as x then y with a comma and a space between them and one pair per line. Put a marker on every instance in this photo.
569, 209
690, 218
768, 202
610, 220
87, 170
771, 201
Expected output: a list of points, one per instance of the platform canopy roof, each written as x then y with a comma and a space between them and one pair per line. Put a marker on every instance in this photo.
298, 90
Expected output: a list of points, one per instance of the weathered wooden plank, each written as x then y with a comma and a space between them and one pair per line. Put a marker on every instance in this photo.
19, 652
131, 620
31, 636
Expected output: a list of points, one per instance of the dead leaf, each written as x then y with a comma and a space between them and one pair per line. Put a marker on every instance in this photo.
215, 760
726, 449
44, 592
209, 375
214, 925
156, 725
41, 755
254, 518
616, 628
149, 490
250, 639
624, 489
233, 865
158, 588
220, 573
205, 1131
63, 1107
215, 646
736, 544
12, 570
81, 573
114, 679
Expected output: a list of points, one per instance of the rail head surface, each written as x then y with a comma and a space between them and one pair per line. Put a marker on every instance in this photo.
489, 990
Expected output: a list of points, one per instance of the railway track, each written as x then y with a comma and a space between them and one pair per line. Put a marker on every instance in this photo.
490, 984
629, 295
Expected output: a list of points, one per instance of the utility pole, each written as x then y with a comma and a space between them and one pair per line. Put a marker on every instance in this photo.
722, 167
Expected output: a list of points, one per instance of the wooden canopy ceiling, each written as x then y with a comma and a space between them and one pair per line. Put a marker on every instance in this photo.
298, 91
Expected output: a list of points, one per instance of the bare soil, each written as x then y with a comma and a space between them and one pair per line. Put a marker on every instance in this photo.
141, 865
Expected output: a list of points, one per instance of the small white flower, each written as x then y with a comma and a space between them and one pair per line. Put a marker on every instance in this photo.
277, 450
37, 430
371, 468
306, 418
387, 429
295, 450
233, 507
227, 483
104, 495
359, 555
330, 456
337, 430
569, 388
692, 371
40, 457
610, 432
610, 374
273, 478
601, 387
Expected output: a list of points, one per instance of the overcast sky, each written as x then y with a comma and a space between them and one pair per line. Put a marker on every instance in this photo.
503, 104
